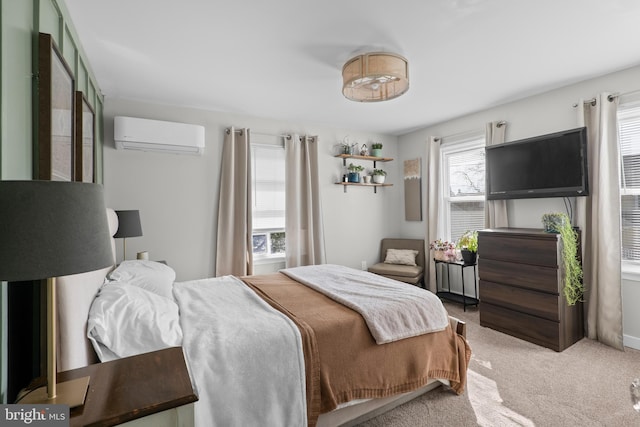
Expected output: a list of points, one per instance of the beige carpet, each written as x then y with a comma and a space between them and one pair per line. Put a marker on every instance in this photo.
516, 383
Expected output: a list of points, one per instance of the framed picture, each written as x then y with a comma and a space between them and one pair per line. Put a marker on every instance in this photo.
85, 140
56, 99
413, 190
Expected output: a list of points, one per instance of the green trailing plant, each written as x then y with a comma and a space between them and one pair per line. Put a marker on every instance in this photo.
469, 241
376, 146
573, 286
379, 172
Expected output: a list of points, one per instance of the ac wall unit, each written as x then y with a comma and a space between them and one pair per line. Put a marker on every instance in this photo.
130, 133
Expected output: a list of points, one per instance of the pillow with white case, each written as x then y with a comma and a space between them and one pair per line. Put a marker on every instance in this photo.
152, 276
127, 320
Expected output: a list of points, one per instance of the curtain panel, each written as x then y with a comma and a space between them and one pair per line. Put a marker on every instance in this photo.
304, 234
234, 248
433, 203
598, 216
495, 211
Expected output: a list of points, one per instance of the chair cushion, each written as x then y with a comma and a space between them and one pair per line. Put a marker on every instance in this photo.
396, 270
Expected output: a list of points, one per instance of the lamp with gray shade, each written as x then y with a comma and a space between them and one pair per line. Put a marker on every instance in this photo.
50, 229
128, 226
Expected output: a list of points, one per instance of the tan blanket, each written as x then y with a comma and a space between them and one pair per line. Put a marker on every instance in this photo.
343, 361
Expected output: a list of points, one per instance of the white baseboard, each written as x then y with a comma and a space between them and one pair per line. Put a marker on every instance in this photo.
632, 342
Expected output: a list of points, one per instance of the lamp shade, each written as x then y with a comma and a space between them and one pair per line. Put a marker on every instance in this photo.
128, 224
51, 229
376, 76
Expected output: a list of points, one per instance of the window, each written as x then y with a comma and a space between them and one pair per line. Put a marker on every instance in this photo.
629, 137
267, 196
462, 203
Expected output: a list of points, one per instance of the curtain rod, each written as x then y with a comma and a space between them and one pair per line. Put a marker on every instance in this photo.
610, 98
469, 133
286, 136
240, 132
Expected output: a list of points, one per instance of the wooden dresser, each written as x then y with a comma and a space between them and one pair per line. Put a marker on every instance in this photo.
521, 281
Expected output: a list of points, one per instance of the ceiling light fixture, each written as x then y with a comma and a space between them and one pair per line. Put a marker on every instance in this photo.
376, 76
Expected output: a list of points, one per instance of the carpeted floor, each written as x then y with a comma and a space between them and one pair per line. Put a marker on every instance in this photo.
512, 382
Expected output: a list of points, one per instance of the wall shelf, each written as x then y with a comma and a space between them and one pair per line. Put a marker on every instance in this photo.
359, 184
373, 159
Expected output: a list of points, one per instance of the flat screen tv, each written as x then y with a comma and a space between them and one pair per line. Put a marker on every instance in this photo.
553, 165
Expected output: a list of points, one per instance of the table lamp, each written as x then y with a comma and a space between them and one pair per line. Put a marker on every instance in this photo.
50, 229
128, 226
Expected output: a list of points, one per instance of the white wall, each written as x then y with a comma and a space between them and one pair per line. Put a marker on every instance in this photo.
177, 195
549, 112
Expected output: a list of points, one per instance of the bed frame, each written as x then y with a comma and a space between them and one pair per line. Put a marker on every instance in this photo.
75, 294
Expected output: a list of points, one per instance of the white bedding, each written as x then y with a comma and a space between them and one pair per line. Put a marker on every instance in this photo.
391, 309
245, 358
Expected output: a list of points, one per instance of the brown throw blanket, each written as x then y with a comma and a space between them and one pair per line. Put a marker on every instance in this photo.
342, 359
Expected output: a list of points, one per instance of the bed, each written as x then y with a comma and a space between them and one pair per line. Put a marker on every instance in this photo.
334, 374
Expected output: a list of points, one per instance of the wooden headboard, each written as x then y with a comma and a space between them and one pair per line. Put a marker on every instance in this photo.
75, 294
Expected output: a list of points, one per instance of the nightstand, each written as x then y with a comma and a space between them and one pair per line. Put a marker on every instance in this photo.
151, 389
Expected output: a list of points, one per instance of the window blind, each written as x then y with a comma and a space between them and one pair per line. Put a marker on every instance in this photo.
629, 139
463, 178
268, 195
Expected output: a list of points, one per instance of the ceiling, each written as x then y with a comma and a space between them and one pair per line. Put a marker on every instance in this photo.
282, 59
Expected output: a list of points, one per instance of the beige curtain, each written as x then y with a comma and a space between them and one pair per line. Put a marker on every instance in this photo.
598, 216
234, 249
433, 202
495, 211
304, 235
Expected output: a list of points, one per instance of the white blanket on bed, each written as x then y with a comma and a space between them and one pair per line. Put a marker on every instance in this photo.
392, 310
245, 357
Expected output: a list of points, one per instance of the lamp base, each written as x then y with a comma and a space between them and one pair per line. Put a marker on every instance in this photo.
70, 393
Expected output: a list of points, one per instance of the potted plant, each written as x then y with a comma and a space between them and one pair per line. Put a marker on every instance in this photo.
552, 222
354, 172
376, 149
442, 250
468, 245
378, 176
573, 286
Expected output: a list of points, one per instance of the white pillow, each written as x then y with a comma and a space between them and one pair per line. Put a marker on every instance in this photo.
153, 276
401, 256
127, 320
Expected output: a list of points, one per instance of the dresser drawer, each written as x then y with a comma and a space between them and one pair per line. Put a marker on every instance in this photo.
540, 249
544, 279
520, 325
526, 301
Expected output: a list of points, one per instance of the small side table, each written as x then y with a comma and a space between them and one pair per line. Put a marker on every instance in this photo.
454, 296
151, 389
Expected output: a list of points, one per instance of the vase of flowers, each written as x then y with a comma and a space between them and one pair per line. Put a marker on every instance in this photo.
443, 250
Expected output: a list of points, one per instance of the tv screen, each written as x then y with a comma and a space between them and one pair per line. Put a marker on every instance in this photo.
553, 165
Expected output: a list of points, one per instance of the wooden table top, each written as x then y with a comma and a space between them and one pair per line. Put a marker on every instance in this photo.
133, 387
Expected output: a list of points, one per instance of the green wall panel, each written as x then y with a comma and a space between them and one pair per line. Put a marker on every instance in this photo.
50, 20
82, 79
20, 22
16, 89
70, 52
